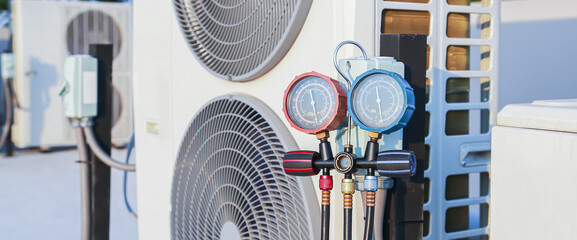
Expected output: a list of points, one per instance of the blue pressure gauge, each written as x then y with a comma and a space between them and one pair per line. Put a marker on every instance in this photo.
381, 101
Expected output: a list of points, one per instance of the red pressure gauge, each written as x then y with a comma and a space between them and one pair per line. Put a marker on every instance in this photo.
315, 103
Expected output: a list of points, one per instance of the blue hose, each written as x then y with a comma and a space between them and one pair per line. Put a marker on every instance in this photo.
128, 207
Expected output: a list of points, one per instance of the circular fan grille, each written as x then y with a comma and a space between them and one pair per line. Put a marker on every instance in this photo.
229, 170
92, 27
240, 40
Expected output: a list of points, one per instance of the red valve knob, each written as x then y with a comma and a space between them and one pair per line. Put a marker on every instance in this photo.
300, 163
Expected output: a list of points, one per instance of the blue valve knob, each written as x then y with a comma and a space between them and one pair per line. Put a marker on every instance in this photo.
396, 163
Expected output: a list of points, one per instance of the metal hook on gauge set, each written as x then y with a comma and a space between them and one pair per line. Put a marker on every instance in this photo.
349, 81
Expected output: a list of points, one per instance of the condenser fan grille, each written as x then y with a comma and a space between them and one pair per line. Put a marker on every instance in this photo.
92, 27
240, 40
229, 171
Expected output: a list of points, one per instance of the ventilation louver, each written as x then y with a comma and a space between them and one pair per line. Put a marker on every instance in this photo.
240, 40
229, 182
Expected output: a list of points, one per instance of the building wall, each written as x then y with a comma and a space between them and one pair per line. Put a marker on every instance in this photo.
538, 50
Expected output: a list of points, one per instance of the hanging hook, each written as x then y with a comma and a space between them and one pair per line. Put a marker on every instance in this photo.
349, 81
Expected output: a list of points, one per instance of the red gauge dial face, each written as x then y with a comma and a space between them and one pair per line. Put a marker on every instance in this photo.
314, 103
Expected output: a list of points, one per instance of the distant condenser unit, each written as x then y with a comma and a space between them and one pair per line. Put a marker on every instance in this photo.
68, 28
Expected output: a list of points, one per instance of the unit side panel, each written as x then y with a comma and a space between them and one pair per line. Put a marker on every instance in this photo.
523, 204
153, 128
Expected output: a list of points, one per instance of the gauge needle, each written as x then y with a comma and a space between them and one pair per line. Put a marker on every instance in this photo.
379, 102
313, 104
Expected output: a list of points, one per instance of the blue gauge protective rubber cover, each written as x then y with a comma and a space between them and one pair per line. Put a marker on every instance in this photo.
409, 103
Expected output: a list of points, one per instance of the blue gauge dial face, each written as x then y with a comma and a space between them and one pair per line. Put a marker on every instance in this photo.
378, 100
311, 103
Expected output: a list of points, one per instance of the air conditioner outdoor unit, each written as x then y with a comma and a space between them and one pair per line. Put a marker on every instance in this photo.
45, 33
209, 123
199, 60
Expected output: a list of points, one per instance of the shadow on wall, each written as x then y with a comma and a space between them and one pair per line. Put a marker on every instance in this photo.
43, 78
538, 61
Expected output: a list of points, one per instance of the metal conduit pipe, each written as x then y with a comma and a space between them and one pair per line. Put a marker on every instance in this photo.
84, 184
91, 140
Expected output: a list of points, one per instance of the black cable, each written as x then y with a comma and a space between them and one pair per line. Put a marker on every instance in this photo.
348, 189
325, 222
348, 229
369, 221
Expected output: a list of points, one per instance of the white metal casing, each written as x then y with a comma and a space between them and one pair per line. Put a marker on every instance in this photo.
173, 86
532, 171
40, 51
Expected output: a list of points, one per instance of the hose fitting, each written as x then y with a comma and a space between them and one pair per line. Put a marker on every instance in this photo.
371, 183
326, 182
370, 198
326, 185
326, 197
348, 201
348, 186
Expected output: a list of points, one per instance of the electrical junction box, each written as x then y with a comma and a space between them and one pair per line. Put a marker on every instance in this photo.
80, 89
352, 68
533, 163
7, 62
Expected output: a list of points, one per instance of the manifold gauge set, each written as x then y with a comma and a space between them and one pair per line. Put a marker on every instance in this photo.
378, 101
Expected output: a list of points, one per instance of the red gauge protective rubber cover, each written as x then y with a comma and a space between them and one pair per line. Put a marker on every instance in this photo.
339, 113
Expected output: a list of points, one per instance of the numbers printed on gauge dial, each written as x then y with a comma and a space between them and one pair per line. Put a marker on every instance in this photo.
315, 103
311, 102
378, 100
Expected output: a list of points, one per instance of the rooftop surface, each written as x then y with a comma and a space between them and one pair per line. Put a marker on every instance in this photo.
40, 197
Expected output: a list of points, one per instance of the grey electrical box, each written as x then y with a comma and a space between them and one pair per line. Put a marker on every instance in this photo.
7, 63
79, 91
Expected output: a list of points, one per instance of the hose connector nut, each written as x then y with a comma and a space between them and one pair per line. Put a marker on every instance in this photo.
371, 183
348, 186
326, 182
